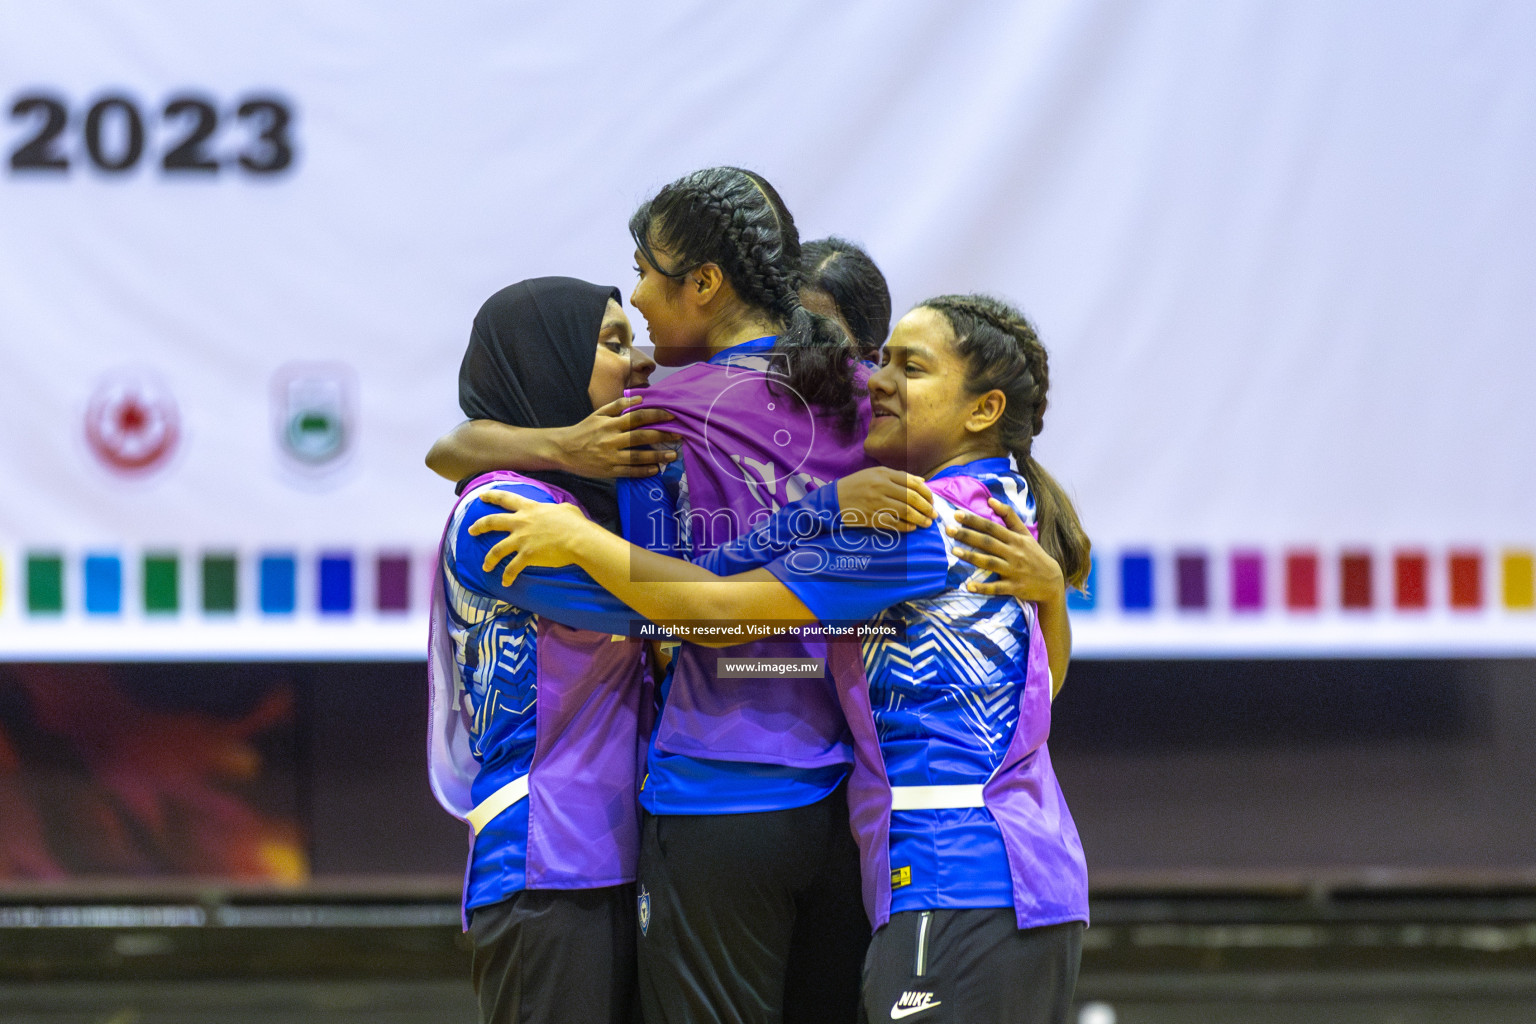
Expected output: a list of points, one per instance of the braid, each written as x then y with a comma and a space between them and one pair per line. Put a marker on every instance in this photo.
993, 334
1003, 352
752, 254
1036, 364
736, 220
765, 258
1039, 369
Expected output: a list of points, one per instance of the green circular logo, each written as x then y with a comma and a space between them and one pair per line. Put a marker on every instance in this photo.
315, 435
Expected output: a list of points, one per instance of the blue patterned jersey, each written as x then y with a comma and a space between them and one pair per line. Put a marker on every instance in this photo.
494, 632
945, 686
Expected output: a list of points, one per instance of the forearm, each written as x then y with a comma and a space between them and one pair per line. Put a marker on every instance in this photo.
481, 446
815, 513
1056, 631
671, 591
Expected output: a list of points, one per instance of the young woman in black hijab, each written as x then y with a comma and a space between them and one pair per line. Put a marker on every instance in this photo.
539, 698
578, 433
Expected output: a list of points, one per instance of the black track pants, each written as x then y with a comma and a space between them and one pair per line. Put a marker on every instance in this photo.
751, 918
556, 956
970, 967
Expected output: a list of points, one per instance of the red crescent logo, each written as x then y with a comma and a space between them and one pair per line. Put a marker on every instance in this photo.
132, 424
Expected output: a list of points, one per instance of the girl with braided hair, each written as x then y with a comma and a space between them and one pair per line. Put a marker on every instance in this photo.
972, 870
749, 872
719, 260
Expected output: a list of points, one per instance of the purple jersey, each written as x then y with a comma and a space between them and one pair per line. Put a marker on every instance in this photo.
750, 445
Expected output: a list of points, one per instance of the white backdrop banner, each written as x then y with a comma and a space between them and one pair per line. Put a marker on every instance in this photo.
1281, 253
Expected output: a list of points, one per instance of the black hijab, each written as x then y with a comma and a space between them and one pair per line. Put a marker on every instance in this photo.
529, 362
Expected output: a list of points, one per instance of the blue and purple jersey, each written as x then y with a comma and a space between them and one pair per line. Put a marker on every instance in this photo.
539, 702
953, 797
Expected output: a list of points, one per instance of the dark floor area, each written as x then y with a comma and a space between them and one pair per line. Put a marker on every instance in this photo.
1457, 998
1260, 957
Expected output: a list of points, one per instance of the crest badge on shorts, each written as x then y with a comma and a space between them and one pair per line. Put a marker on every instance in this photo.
645, 911
314, 412
131, 422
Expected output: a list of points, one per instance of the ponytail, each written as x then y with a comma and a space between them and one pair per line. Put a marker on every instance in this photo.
1003, 353
1061, 531
819, 363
